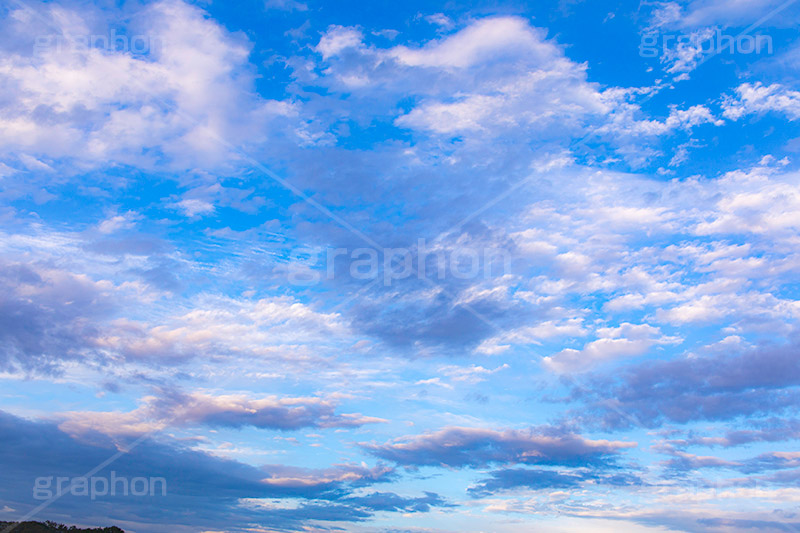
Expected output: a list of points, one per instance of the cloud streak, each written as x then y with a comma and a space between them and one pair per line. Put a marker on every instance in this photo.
459, 447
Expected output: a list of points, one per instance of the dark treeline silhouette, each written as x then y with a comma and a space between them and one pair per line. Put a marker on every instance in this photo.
52, 527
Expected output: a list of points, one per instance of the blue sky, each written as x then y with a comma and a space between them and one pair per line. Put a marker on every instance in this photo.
402, 266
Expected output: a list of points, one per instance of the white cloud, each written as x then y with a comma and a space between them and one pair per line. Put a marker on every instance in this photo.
543, 88
470, 374
192, 207
338, 39
484, 40
755, 203
118, 222
100, 107
440, 19
546, 330
626, 340
626, 124
757, 98
261, 328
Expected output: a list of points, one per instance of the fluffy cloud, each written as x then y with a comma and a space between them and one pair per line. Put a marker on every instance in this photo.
481, 42
627, 340
222, 327
756, 98
338, 39
175, 409
498, 77
54, 315
139, 249
556, 85
97, 106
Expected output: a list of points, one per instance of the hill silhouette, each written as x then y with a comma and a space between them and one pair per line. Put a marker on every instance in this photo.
52, 527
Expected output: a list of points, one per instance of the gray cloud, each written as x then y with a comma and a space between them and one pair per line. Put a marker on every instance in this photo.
48, 315
717, 387
768, 430
521, 478
476, 447
208, 485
